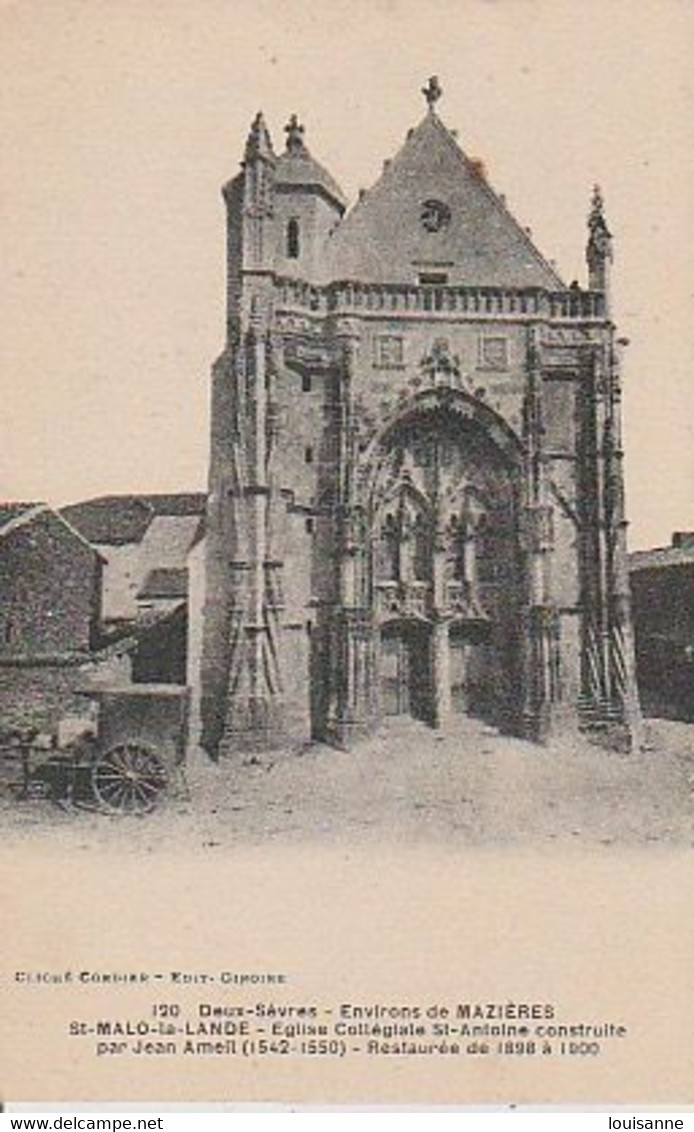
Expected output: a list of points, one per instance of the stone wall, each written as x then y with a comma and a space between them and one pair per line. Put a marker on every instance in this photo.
49, 589
663, 605
41, 694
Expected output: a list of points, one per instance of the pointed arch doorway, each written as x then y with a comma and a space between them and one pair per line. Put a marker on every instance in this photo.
446, 567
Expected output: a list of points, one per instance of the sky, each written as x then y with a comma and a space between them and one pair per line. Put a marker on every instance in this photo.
122, 119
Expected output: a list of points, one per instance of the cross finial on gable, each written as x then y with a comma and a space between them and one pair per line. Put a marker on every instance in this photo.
295, 134
432, 92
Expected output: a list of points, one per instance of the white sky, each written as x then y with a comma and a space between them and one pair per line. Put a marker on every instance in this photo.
121, 119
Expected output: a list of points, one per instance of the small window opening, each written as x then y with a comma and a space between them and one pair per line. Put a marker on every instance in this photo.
433, 279
308, 454
306, 383
293, 241
309, 526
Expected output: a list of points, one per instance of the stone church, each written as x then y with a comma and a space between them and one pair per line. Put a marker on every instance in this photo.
415, 494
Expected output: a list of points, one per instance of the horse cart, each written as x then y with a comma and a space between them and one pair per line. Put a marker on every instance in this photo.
125, 762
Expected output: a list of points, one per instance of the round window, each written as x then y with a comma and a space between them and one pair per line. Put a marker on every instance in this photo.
435, 215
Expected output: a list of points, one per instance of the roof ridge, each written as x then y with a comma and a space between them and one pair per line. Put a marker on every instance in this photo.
36, 509
25, 516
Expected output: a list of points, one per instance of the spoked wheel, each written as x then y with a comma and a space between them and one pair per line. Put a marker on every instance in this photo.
129, 779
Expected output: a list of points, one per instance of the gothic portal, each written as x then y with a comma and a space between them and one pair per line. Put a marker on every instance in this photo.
415, 497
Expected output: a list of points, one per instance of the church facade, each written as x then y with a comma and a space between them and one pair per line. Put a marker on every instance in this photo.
415, 494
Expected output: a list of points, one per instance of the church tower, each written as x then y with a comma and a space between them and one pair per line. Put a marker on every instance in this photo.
415, 495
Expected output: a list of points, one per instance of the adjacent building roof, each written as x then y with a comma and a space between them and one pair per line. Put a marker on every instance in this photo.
177, 503
9, 512
114, 520
167, 541
165, 582
125, 637
661, 558
19, 514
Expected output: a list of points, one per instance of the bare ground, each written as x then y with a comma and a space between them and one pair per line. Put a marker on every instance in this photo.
405, 785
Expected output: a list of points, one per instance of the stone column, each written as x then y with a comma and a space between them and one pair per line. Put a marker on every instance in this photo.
441, 672
254, 716
256, 509
440, 647
540, 617
541, 629
620, 660
352, 633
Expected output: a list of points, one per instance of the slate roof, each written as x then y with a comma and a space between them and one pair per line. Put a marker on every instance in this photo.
167, 541
125, 637
177, 503
661, 558
115, 520
301, 170
19, 514
11, 511
165, 582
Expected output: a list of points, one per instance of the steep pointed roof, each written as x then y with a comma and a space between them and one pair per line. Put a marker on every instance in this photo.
258, 143
297, 168
432, 211
258, 149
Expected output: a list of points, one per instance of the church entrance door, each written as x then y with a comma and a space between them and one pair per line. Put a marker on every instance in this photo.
405, 670
472, 670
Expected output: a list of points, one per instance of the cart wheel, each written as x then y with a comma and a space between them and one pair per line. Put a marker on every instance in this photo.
129, 779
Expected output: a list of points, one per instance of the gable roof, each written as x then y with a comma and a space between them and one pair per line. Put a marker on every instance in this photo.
115, 520
383, 240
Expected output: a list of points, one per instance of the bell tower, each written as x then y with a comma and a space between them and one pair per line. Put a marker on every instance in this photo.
308, 206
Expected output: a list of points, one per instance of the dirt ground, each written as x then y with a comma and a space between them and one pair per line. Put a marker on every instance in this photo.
405, 785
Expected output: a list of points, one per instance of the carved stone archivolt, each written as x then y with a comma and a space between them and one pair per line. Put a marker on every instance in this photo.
439, 371
375, 432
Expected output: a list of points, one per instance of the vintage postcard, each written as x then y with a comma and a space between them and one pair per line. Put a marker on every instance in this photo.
347, 552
